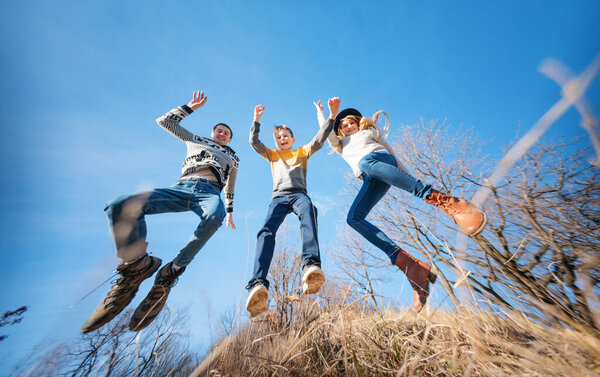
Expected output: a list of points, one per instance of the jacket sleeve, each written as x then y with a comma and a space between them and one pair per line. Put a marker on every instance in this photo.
256, 144
170, 122
317, 142
229, 188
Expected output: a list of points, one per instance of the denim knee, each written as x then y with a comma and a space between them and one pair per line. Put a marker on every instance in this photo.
114, 207
353, 219
264, 232
216, 219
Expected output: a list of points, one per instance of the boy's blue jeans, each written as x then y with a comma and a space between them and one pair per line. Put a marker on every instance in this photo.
126, 214
280, 207
380, 171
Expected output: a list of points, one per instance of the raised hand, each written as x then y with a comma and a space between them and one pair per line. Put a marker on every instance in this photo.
318, 105
334, 106
259, 110
198, 101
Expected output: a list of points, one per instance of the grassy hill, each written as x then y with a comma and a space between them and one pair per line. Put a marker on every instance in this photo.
353, 341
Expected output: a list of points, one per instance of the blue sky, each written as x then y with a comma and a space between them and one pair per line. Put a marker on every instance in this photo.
83, 82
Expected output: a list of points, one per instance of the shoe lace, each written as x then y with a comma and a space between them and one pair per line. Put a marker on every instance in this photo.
124, 283
445, 204
163, 285
169, 280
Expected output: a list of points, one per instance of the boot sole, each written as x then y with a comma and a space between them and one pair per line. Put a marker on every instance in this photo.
480, 229
313, 282
257, 303
145, 314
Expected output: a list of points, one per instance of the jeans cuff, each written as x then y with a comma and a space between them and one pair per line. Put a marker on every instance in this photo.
254, 282
309, 263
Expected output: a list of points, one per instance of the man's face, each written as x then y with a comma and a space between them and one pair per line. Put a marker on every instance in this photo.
221, 134
283, 139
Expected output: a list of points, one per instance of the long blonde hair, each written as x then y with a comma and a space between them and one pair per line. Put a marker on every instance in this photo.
366, 123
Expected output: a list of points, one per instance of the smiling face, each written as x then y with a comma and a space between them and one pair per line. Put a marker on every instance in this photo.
348, 126
283, 138
221, 134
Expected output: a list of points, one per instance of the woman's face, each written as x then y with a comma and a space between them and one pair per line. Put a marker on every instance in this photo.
348, 126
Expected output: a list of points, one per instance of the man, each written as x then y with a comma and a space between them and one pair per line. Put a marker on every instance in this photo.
210, 167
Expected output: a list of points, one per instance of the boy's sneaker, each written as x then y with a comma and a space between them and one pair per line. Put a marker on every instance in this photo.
257, 300
151, 306
122, 291
312, 279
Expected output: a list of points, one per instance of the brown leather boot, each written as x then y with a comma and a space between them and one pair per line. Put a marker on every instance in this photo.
123, 290
470, 219
419, 275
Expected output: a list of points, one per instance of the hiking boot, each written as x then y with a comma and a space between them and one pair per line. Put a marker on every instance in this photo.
312, 279
150, 306
419, 275
257, 300
470, 219
122, 291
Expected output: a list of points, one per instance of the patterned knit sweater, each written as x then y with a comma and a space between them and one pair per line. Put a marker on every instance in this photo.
203, 153
289, 166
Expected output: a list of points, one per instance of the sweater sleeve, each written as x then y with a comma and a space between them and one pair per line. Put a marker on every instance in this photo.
332, 138
317, 142
256, 144
229, 188
170, 122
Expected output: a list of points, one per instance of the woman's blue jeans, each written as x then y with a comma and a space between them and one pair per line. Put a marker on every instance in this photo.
280, 207
379, 172
126, 214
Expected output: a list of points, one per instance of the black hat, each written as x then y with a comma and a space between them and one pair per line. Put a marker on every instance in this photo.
342, 114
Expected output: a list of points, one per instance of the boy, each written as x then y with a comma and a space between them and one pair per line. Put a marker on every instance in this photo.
288, 167
209, 167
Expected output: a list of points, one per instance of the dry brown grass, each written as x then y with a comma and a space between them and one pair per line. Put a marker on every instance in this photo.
352, 341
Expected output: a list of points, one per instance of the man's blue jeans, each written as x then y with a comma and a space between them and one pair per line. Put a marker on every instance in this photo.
280, 207
380, 171
126, 214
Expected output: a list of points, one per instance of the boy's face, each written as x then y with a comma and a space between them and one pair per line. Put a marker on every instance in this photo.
221, 134
283, 139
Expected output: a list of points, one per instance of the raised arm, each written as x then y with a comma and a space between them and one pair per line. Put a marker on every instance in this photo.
332, 139
170, 121
256, 144
325, 126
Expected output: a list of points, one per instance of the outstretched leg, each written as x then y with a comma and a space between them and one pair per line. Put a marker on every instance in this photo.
383, 166
312, 275
368, 196
265, 246
265, 240
206, 202
126, 218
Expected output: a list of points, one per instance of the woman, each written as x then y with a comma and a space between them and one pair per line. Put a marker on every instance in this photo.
361, 144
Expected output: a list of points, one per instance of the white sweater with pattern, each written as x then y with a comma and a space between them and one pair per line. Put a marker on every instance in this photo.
203, 153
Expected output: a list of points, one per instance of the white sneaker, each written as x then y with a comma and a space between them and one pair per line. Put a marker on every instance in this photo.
312, 279
257, 300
